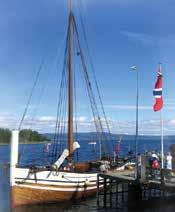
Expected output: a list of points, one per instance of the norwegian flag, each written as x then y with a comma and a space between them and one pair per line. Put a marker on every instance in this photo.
158, 91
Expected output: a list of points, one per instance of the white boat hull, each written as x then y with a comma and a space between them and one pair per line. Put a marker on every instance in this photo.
35, 187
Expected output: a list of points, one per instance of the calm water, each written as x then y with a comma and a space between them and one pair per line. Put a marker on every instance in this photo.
35, 151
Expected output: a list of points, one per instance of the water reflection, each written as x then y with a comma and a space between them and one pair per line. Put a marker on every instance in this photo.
4, 188
49, 208
81, 206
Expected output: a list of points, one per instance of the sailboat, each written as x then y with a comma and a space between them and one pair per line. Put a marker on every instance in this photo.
61, 181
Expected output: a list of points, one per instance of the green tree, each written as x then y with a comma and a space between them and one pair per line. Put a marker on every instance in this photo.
5, 135
26, 136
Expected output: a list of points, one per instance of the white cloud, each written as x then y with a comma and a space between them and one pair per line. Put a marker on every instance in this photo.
146, 127
145, 39
47, 124
141, 107
128, 107
172, 121
148, 39
8, 120
82, 119
47, 118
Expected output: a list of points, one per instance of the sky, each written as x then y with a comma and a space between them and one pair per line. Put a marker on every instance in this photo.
120, 33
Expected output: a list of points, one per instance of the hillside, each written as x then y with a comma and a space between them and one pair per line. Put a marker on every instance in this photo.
92, 136
26, 135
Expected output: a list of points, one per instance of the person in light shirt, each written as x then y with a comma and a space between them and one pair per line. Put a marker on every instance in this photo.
169, 161
154, 155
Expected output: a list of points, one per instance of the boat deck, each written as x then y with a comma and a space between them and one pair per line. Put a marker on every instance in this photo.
125, 175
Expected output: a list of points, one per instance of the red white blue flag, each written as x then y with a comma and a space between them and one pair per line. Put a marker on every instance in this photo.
158, 91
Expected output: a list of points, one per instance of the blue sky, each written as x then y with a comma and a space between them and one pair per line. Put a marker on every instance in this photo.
120, 33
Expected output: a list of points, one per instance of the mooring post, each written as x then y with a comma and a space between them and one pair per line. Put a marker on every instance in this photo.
162, 176
105, 192
98, 189
162, 173
144, 191
122, 191
111, 181
134, 194
143, 168
14, 155
116, 191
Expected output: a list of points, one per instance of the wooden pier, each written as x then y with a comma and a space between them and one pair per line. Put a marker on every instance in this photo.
120, 188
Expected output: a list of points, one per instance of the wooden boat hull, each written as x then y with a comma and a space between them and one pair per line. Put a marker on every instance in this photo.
51, 186
25, 196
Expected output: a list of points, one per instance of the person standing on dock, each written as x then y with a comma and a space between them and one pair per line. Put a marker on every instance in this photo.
169, 161
154, 155
139, 164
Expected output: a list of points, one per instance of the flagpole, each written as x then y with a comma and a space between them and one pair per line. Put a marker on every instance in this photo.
162, 143
137, 113
161, 123
158, 106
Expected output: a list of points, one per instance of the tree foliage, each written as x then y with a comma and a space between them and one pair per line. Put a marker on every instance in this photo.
28, 135
5, 135
25, 136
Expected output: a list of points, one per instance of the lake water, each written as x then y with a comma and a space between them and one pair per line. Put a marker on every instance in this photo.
35, 153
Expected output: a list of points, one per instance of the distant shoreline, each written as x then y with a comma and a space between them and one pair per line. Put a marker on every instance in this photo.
3, 144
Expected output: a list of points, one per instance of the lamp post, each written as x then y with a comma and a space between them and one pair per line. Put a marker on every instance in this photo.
136, 129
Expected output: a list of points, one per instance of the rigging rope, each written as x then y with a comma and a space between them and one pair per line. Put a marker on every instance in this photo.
41, 67
97, 119
76, 124
93, 69
62, 98
31, 94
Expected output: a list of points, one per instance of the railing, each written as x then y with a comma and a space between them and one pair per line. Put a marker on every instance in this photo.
165, 176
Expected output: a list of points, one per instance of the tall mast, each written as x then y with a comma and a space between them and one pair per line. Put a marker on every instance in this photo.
70, 90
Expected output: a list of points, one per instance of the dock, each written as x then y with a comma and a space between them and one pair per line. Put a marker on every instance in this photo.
121, 188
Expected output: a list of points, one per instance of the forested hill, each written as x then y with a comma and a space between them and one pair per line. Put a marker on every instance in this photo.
89, 136
26, 135
30, 136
